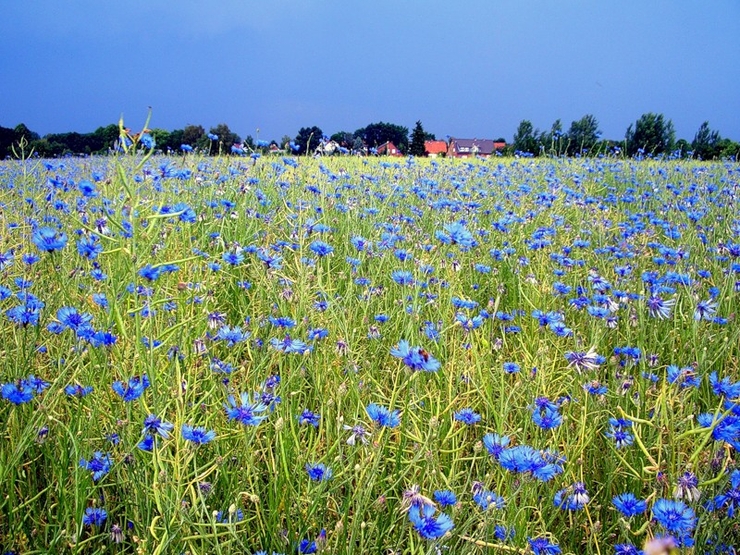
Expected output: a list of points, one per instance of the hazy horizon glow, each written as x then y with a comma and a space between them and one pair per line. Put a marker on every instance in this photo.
474, 69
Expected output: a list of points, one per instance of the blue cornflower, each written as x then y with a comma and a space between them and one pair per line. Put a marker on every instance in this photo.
383, 416
415, 358
309, 417
626, 549
146, 444
511, 367
660, 308
133, 390
100, 464
289, 345
456, 234
543, 466
150, 273
427, 525
233, 258
17, 393
70, 317
705, 310
320, 248
248, 413
318, 472
729, 500
94, 516
198, 435
581, 360
724, 387
572, 498
77, 390
467, 416
48, 239
495, 444
89, 247
230, 516
547, 417
402, 277
542, 546
676, 517
154, 425
629, 505
282, 321
232, 336
486, 499
445, 498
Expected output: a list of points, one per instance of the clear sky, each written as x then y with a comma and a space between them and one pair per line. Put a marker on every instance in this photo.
472, 68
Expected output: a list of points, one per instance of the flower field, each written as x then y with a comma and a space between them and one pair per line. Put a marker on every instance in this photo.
350, 355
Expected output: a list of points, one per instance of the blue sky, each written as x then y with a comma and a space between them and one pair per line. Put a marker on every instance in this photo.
467, 69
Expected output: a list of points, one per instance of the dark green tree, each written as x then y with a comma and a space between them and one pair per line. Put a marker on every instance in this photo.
380, 133
525, 138
226, 138
308, 139
418, 136
651, 133
706, 143
583, 135
195, 136
343, 138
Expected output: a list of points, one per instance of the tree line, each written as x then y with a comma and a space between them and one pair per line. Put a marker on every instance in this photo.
651, 135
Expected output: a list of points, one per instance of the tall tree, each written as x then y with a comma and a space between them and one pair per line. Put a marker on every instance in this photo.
308, 139
418, 136
380, 133
583, 135
226, 138
525, 138
651, 133
194, 135
706, 142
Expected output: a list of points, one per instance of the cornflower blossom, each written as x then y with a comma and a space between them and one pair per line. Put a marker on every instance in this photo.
197, 435
427, 525
542, 465
319, 472
705, 310
629, 505
48, 239
676, 517
308, 417
133, 390
487, 499
100, 464
77, 390
572, 498
94, 517
730, 499
542, 546
358, 431
584, 361
618, 432
413, 497
495, 444
231, 336
415, 358
660, 308
686, 487
248, 413
154, 425
445, 498
383, 416
467, 416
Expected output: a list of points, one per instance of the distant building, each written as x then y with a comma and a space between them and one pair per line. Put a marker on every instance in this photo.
435, 148
388, 149
464, 148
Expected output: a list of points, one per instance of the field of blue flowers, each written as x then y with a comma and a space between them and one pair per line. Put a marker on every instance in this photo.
280, 355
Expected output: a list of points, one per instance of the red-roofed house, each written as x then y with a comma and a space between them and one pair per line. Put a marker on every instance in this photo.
435, 148
388, 149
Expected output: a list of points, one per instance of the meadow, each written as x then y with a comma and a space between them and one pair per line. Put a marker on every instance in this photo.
365, 355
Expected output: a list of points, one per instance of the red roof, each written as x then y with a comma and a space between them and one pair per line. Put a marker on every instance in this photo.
389, 149
435, 147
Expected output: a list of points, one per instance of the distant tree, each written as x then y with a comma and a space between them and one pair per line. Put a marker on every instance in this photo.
728, 149
308, 139
285, 143
418, 136
706, 142
194, 135
23, 132
525, 138
226, 138
343, 138
380, 133
683, 147
651, 133
583, 135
